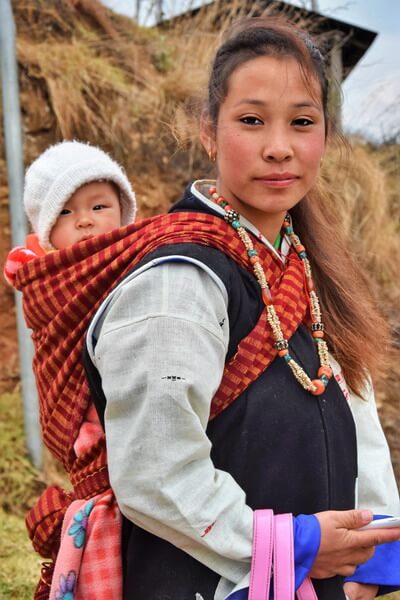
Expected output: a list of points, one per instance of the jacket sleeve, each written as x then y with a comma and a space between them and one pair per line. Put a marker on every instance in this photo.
160, 353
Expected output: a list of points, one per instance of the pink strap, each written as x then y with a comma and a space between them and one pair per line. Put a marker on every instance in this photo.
263, 534
306, 591
283, 557
274, 536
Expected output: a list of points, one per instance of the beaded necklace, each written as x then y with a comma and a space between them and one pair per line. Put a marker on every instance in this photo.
315, 386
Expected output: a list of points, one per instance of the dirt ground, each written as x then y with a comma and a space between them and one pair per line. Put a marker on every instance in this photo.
9, 368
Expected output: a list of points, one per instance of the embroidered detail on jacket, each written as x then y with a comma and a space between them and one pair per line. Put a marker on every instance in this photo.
342, 384
173, 378
208, 529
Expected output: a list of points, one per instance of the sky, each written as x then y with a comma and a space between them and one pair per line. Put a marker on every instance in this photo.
371, 93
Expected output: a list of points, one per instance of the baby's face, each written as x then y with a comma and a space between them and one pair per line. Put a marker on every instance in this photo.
93, 209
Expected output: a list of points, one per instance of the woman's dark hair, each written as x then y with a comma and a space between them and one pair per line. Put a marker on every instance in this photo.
262, 36
350, 315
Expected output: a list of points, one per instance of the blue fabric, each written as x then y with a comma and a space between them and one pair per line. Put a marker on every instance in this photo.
382, 569
307, 538
242, 594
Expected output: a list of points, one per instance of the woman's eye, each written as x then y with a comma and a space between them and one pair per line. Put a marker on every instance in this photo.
303, 122
251, 120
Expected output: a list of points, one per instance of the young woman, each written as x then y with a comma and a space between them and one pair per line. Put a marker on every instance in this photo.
219, 357
195, 440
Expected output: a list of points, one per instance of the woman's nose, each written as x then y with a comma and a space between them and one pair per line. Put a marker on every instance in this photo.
277, 148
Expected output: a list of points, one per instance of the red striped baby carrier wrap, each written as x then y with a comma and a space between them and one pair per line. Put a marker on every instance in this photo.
62, 292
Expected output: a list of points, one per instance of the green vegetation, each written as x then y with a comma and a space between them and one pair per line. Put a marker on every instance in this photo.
19, 565
20, 484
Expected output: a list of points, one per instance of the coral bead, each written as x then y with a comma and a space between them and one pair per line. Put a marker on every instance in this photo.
318, 334
266, 296
254, 259
300, 248
320, 387
283, 352
327, 371
310, 285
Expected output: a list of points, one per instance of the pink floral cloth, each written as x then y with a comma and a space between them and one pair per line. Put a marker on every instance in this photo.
89, 564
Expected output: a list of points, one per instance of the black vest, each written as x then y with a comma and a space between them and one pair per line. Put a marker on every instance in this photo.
288, 450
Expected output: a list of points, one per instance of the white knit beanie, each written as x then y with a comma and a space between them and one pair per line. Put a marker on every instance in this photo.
57, 173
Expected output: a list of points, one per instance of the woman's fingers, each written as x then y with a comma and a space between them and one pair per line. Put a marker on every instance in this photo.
360, 591
342, 546
374, 537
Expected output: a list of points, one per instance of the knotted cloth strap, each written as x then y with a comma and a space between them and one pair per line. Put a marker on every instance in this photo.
44, 520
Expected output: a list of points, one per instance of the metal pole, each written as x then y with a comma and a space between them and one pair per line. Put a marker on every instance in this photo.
15, 171
336, 67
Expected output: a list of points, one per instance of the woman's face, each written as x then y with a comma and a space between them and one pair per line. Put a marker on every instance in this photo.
269, 139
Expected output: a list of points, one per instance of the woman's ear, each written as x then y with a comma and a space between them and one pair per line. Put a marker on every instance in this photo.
207, 135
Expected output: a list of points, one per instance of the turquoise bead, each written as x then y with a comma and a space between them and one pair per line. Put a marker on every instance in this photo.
303, 254
324, 380
252, 252
236, 224
289, 230
287, 357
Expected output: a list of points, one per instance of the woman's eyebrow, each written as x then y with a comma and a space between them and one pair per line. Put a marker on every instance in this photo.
253, 101
257, 102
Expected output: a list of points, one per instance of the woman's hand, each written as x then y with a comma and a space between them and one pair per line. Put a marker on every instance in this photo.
360, 591
342, 547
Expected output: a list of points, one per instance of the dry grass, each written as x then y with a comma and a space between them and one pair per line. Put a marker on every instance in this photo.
20, 482
19, 564
364, 188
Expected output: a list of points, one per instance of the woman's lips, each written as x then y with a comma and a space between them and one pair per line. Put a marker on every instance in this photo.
278, 180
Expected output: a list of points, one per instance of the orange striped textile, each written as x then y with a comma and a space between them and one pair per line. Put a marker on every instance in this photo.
61, 293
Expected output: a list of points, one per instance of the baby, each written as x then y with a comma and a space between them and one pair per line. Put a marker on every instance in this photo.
72, 191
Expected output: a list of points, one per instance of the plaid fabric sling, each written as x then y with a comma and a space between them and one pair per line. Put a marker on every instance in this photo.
61, 293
